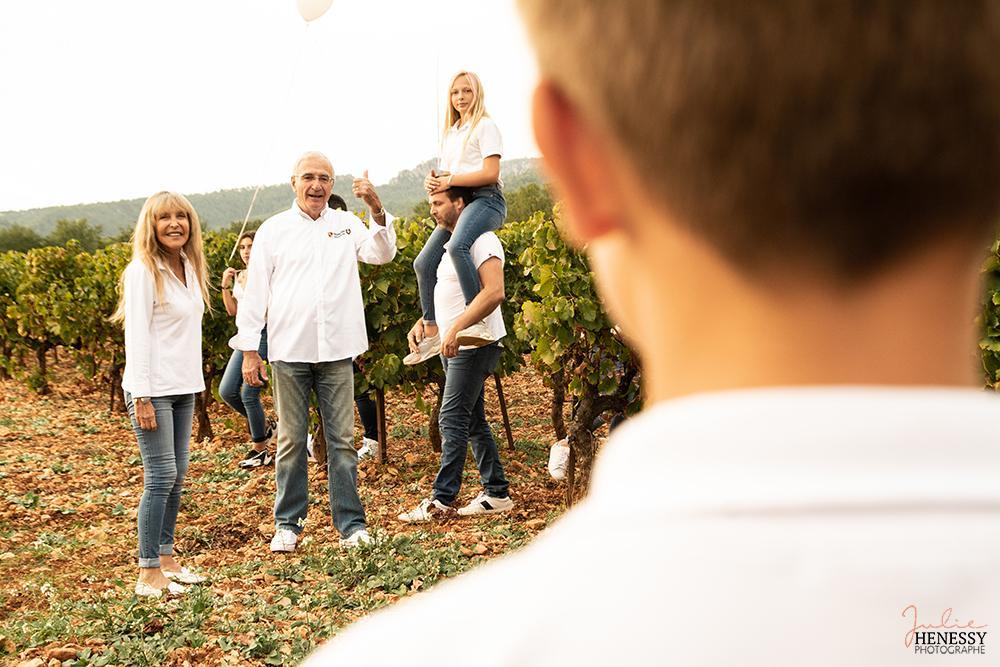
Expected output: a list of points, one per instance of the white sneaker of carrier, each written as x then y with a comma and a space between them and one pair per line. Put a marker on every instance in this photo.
486, 504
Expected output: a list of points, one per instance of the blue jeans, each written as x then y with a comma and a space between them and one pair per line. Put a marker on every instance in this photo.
333, 384
484, 212
164, 462
242, 397
462, 419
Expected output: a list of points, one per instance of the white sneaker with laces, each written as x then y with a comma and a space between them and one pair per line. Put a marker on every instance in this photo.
356, 539
284, 541
477, 335
428, 348
255, 459
369, 449
486, 504
428, 510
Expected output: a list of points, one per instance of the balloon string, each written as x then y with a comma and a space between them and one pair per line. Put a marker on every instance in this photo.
270, 151
244, 226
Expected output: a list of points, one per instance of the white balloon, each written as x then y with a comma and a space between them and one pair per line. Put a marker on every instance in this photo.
313, 9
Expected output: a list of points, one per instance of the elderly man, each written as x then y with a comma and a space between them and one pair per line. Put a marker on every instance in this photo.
462, 416
303, 280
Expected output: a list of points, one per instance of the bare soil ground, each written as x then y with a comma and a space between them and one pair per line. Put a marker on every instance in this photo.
70, 482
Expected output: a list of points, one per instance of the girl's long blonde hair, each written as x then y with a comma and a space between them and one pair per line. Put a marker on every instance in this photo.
145, 247
451, 115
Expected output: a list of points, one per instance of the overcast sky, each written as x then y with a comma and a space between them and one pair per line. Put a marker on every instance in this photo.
116, 99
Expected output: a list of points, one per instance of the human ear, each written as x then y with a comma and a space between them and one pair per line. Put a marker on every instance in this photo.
578, 162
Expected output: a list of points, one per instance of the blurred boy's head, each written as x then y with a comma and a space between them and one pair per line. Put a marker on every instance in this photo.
829, 137
778, 192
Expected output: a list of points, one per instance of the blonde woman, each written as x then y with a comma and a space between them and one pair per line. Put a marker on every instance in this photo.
471, 148
164, 292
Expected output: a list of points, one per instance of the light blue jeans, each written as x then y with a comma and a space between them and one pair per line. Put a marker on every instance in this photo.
333, 384
165, 454
484, 212
242, 397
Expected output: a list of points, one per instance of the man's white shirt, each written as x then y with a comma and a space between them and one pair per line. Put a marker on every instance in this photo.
761, 527
303, 280
449, 300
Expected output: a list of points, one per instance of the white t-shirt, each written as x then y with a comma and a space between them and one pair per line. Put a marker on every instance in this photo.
459, 156
449, 301
754, 528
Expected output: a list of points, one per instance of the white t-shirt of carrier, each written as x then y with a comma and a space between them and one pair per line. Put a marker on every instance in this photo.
459, 156
449, 301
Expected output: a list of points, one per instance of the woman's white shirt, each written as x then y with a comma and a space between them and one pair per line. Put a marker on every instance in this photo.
459, 156
162, 338
238, 287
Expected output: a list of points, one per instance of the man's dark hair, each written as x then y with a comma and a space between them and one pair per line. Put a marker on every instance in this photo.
835, 136
336, 202
455, 193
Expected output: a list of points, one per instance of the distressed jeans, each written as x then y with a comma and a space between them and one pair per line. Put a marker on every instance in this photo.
243, 397
463, 420
333, 384
165, 455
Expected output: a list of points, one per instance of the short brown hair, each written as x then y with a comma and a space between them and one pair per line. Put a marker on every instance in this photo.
841, 134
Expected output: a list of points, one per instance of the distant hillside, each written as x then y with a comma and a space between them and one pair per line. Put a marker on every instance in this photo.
221, 208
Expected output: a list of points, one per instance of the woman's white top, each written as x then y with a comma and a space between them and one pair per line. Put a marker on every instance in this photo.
162, 338
459, 156
238, 287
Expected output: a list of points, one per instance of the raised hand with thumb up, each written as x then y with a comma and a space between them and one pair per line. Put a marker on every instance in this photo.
364, 190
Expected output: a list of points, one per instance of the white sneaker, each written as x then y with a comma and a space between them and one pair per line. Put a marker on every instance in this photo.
559, 459
485, 504
284, 541
144, 590
310, 454
477, 335
356, 539
255, 459
428, 348
428, 510
369, 449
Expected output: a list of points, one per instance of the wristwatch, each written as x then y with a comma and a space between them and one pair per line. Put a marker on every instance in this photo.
144, 399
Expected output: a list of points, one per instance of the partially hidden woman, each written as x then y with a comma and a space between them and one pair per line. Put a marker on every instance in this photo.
240, 396
164, 292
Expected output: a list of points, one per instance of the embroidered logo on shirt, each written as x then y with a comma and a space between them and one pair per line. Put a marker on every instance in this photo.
337, 235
